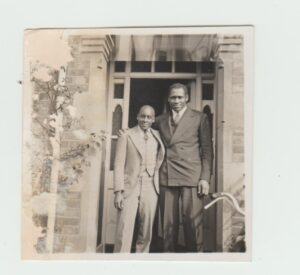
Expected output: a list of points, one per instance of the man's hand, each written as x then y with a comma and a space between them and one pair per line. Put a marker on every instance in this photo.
122, 132
119, 200
203, 188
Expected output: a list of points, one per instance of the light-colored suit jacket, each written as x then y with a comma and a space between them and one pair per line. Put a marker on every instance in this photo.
128, 160
188, 150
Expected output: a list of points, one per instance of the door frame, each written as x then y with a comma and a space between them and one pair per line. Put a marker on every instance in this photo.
125, 77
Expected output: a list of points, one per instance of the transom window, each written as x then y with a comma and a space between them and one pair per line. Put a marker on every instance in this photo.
163, 67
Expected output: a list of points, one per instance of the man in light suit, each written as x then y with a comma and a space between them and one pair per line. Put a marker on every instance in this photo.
139, 155
186, 170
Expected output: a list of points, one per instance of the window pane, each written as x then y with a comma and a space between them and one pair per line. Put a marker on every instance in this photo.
185, 67
117, 120
161, 66
208, 67
119, 90
116, 126
112, 153
140, 66
207, 91
120, 66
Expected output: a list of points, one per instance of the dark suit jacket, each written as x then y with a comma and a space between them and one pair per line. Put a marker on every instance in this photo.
189, 151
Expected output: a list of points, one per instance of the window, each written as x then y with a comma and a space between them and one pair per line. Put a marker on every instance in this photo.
162, 66
118, 90
112, 153
141, 66
208, 91
116, 120
116, 126
207, 67
185, 67
120, 66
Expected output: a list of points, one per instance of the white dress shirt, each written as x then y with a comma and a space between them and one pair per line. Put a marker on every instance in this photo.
180, 113
149, 156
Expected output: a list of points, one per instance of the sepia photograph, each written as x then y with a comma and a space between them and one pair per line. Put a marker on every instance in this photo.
137, 143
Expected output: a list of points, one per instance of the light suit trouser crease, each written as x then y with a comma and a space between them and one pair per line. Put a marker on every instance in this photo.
143, 202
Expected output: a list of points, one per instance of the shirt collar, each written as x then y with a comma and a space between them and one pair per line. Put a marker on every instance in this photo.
181, 112
142, 132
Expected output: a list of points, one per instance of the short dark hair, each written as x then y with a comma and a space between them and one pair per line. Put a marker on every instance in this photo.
178, 86
146, 107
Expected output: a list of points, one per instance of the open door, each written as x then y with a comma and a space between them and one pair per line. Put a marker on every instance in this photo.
118, 118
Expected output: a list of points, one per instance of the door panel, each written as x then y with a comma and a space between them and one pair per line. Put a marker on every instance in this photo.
117, 118
209, 218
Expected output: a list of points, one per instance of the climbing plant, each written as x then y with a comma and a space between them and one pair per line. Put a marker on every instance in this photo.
56, 164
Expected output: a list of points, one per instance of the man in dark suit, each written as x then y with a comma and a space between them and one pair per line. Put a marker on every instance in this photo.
185, 172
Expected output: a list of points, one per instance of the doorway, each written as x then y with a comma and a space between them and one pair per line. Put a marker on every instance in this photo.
152, 92
128, 91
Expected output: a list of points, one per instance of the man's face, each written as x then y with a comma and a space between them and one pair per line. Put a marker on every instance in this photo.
177, 99
145, 118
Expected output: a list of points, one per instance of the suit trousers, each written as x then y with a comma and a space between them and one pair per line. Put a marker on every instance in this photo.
192, 217
142, 201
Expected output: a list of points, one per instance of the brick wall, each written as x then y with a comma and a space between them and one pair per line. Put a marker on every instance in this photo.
68, 223
76, 226
231, 54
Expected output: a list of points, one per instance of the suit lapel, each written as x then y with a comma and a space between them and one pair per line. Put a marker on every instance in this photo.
161, 151
136, 140
183, 124
165, 129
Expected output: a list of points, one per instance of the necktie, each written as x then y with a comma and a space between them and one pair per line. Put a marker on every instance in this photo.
146, 137
176, 118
